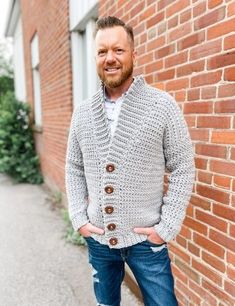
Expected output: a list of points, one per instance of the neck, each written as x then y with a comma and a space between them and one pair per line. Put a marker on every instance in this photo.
115, 93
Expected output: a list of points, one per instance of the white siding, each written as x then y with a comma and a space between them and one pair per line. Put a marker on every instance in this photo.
19, 65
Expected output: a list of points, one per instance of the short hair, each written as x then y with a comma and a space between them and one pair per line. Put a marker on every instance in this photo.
112, 21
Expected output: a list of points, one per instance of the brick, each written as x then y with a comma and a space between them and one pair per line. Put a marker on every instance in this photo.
185, 232
181, 241
166, 50
207, 272
179, 274
148, 12
185, 16
187, 270
205, 295
193, 94
176, 7
206, 49
190, 68
231, 258
214, 3
174, 60
232, 230
206, 78
166, 75
224, 212
222, 167
230, 289
222, 181
191, 296
225, 106
155, 19
231, 9
191, 120
221, 29
153, 67
211, 150
136, 9
231, 273
229, 74
221, 60
229, 42
232, 154
223, 240
209, 245
211, 220
217, 292
213, 261
212, 193
146, 58
205, 177
208, 92
180, 31
199, 9
192, 248
210, 18
195, 225
200, 202
180, 96
191, 40
179, 253
173, 22
199, 134
225, 137
215, 122
201, 163
198, 107
163, 4
162, 28
176, 84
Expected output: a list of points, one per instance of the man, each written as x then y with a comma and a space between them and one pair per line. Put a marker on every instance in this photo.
121, 141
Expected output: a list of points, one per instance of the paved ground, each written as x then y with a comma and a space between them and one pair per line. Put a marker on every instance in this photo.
37, 266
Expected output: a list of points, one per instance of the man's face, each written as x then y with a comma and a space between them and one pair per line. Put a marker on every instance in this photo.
114, 56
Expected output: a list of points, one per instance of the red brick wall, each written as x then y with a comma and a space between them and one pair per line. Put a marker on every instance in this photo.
188, 49
50, 20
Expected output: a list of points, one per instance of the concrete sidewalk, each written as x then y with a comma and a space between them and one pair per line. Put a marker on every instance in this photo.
37, 266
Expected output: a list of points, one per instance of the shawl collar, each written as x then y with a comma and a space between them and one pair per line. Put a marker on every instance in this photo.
132, 112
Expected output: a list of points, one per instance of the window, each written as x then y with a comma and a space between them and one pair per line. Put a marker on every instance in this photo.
36, 81
83, 15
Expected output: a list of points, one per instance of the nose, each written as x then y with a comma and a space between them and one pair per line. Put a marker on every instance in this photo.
110, 56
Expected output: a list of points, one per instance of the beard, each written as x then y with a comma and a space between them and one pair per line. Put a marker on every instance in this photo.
116, 81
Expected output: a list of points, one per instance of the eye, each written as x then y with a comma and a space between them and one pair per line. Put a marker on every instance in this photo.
101, 52
119, 51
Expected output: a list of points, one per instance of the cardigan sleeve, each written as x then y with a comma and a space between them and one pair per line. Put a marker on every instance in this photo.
179, 160
76, 187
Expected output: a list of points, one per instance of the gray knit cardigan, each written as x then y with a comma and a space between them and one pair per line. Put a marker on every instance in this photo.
151, 136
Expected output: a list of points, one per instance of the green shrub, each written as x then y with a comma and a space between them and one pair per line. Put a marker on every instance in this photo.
17, 152
72, 236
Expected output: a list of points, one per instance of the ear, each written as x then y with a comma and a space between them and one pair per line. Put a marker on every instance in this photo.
134, 55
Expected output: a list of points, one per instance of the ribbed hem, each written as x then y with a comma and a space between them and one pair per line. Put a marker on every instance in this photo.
123, 241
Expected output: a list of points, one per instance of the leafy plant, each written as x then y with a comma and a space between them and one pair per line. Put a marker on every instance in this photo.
72, 236
17, 152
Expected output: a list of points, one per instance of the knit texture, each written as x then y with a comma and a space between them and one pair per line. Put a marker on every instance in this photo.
151, 136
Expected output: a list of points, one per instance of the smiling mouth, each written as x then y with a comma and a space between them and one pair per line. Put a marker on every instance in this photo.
112, 69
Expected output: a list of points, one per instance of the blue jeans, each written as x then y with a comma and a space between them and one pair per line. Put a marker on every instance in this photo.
150, 264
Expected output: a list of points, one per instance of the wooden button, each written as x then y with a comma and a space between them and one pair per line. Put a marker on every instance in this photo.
111, 226
110, 168
109, 209
108, 189
113, 241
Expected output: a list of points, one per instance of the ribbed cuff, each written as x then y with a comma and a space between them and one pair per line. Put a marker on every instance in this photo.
164, 233
78, 221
